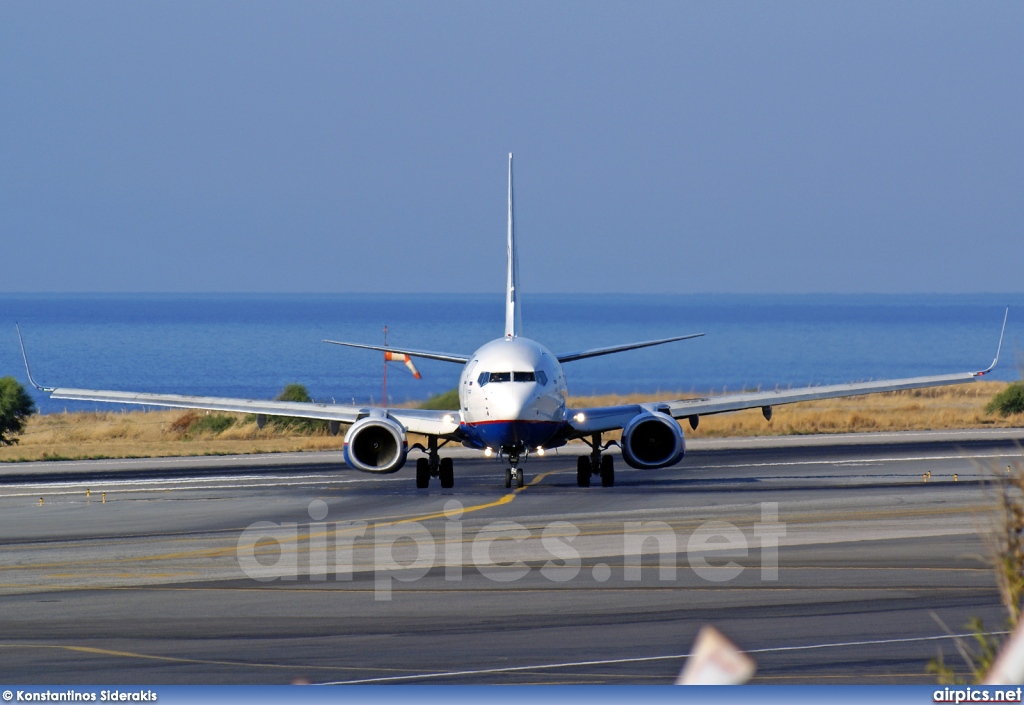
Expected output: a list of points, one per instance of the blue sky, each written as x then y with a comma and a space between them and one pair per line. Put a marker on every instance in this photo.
660, 147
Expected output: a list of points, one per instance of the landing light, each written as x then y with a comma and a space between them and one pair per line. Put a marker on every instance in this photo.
488, 452
580, 417
540, 451
448, 418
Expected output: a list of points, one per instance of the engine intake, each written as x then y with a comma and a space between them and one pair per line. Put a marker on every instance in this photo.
652, 440
376, 444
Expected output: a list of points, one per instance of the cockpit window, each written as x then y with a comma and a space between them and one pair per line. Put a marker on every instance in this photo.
488, 377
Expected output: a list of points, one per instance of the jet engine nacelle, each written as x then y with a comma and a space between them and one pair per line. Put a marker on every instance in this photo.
376, 444
652, 440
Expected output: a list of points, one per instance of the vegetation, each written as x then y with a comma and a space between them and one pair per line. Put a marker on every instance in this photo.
15, 408
1009, 401
294, 392
445, 401
146, 434
1006, 546
294, 424
979, 656
297, 392
191, 424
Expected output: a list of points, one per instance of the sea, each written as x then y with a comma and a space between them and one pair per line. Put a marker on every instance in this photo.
252, 345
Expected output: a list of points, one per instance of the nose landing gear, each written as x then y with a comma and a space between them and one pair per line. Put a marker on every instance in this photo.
513, 473
595, 464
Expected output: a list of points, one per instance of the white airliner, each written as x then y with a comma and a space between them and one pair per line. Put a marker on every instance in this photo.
512, 402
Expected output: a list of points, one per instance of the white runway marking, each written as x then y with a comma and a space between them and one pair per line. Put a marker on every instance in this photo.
641, 659
163, 485
262, 481
861, 461
314, 457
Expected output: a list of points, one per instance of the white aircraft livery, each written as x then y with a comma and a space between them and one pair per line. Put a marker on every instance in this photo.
512, 402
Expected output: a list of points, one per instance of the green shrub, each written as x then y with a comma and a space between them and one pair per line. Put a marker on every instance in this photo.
15, 407
191, 424
1009, 401
294, 392
299, 393
211, 423
446, 401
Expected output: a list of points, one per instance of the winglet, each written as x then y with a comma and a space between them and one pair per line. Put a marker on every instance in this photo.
513, 313
998, 348
27, 370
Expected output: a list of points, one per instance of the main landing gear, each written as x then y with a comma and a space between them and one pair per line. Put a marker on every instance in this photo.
595, 464
434, 466
513, 474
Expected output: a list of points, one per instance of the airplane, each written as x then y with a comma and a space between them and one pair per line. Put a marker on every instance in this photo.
512, 402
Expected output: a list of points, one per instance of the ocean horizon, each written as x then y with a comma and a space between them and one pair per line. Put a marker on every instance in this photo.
251, 345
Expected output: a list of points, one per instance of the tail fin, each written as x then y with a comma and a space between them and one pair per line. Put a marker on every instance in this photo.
513, 312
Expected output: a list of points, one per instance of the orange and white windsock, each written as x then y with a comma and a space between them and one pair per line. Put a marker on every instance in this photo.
402, 357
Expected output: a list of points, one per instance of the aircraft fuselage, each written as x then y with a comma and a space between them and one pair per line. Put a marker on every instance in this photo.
512, 397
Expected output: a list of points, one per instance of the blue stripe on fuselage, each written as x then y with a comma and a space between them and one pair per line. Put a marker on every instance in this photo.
513, 434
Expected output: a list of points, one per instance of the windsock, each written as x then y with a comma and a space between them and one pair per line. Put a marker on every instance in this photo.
402, 357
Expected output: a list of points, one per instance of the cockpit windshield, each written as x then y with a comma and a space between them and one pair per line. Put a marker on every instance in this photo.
488, 377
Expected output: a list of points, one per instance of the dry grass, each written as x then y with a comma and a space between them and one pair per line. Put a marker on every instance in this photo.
166, 433
149, 434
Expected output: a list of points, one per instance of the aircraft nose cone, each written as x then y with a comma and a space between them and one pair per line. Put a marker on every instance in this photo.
516, 402
517, 420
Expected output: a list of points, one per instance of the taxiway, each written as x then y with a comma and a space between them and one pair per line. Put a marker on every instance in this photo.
155, 576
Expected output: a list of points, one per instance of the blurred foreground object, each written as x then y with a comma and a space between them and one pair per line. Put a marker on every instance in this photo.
715, 660
1009, 666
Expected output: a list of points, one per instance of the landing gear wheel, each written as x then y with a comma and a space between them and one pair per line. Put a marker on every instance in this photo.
508, 478
447, 473
607, 471
583, 471
422, 473
519, 478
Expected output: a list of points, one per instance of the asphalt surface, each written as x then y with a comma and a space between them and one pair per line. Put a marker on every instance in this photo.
271, 569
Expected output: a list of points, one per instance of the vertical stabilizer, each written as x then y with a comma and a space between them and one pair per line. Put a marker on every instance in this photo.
513, 312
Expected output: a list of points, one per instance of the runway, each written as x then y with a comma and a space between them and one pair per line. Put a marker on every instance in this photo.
270, 569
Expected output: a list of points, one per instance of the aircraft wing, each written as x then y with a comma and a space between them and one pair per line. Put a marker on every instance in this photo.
440, 423
424, 421
596, 352
330, 412
751, 400
587, 421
